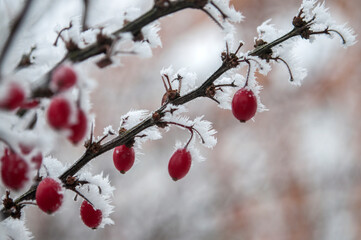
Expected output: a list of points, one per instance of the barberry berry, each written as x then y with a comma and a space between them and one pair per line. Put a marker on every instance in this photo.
62, 78
244, 104
78, 129
179, 164
14, 170
90, 216
123, 158
59, 112
13, 98
49, 196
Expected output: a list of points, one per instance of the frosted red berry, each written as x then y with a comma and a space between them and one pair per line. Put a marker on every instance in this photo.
179, 164
13, 98
37, 159
14, 170
49, 196
123, 158
58, 113
78, 129
90, 216
244, 104
63, 78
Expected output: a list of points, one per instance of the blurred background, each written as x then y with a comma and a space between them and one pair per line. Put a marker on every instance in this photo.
293, 173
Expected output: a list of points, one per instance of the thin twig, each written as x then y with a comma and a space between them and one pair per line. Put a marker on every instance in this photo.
85, 15
13, 31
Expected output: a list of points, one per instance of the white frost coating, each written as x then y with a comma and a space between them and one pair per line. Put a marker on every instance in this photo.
299, 73
348, 34
150, 32
230, 34
133, 118
225, 95
202, 126
188, 79
99, 193
232, 14
14, 229
108, 129
323, 20
268, 32
51, 168
142, 49
132, 13
262, 66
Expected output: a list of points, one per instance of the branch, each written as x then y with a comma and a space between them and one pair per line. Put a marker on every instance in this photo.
13, 31
158, 11
128, 135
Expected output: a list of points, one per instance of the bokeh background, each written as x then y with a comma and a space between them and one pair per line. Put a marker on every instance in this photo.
293, 173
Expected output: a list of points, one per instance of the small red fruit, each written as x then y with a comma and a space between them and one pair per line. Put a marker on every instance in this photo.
179, 164
58, 112
90, 216
244, 104
123, 158
14, 97
14, 170
62, 78
48, 195
37, 159
78, 129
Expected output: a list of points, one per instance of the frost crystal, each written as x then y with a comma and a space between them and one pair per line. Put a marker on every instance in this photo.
14, 229
133, 118
204, 127
150, 33
188, 79
322, 20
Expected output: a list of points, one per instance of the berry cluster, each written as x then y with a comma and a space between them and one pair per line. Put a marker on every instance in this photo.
60, 110
49, 198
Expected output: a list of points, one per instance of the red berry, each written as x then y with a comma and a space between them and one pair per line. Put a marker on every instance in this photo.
37, 159
244, 104
123, 158
58, 112
14, 97
179, 164
90, 216
14, 170
79, 128
62, 78
48, 195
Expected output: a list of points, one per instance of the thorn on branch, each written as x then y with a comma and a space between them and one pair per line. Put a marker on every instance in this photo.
231, 59
170, 93
25, 60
